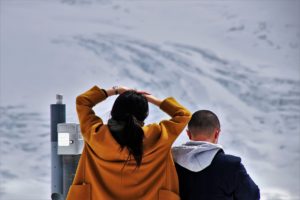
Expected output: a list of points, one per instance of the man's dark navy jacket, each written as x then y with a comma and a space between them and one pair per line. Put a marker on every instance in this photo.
224, 179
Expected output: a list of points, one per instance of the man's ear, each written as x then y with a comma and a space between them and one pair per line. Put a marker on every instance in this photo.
216, 135
189, 134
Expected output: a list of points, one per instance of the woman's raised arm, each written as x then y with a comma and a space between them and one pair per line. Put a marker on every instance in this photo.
85, 103
180, 116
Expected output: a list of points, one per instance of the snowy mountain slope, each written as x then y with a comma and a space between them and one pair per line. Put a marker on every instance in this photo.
209, 55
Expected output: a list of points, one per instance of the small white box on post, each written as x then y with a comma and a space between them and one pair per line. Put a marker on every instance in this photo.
70, 141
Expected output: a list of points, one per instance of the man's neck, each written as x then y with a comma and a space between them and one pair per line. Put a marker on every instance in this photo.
203, 139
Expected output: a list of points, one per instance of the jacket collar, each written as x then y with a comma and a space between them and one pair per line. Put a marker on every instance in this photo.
195, 155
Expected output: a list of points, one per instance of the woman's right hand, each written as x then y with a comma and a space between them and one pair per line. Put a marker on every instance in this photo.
152, 99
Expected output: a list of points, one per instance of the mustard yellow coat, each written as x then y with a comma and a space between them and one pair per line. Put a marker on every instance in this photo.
101, 174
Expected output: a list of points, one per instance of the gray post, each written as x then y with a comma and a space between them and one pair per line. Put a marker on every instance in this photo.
58, 115
70, 145
70, 163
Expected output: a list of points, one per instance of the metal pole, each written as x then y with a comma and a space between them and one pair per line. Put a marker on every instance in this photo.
70, 163
58, 115
70, 145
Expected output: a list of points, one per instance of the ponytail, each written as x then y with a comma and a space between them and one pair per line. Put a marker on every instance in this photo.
129, 134
128, 113
134, 135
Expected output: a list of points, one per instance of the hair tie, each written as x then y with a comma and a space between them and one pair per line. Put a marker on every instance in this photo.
137, 121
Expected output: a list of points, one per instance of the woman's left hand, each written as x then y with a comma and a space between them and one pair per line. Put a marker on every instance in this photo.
122, 89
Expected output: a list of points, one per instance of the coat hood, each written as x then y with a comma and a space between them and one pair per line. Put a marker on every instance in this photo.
195, 155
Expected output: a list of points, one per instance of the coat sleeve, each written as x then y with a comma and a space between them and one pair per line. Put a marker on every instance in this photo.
170, 129
87, 117
245, 187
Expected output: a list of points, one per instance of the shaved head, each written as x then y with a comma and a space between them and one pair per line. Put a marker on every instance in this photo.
203, 122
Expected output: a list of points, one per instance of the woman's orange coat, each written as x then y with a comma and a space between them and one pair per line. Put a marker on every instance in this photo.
101, 174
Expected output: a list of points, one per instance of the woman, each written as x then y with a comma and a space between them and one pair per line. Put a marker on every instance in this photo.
124, 159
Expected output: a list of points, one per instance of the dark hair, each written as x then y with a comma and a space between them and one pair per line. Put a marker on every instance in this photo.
204, 121
127, 118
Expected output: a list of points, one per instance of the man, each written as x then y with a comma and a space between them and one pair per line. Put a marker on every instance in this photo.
205, 172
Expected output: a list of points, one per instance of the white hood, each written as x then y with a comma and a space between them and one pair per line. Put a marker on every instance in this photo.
195, 155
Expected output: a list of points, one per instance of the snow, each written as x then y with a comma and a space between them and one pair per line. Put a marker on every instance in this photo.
239, 59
